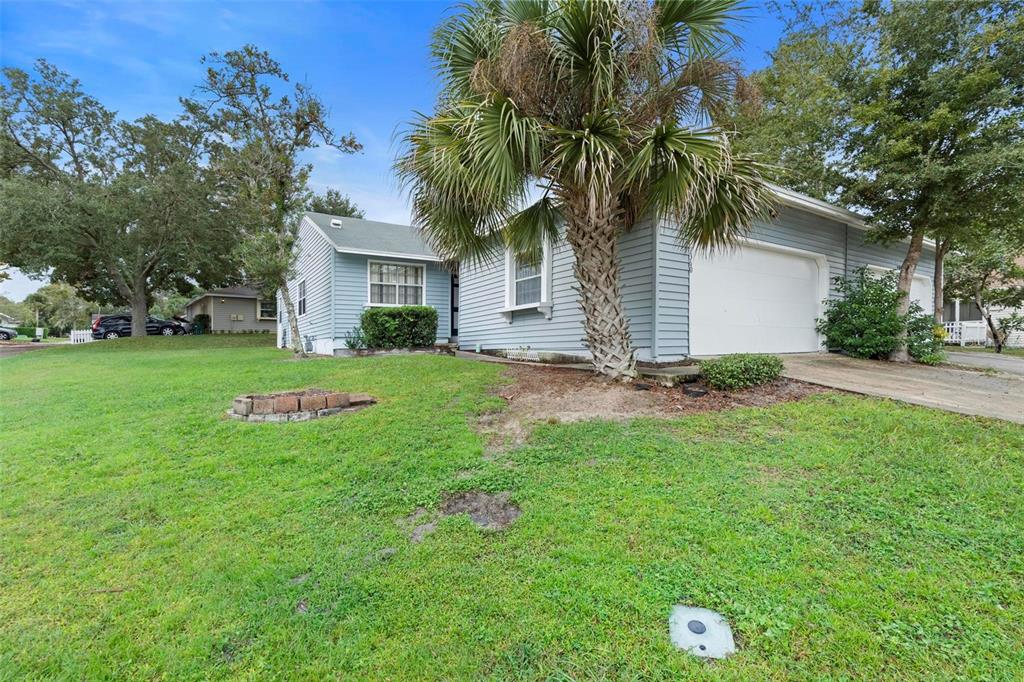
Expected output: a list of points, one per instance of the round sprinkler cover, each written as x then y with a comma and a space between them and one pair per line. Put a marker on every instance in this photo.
701, 632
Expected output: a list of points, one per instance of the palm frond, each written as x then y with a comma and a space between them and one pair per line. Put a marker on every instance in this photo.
736, 199
526, 230
692, 176
695, 29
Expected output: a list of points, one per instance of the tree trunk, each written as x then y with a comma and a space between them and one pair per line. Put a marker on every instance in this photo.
939, 282
593, 237
294, 342
900, 354
987, 314
140, 310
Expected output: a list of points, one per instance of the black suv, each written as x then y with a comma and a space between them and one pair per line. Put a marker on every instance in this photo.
116, 326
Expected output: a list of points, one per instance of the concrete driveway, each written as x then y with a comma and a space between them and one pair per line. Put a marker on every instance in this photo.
946, 388
982, 360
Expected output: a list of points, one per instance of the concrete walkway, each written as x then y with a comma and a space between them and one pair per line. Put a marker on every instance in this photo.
997, 361
955, 390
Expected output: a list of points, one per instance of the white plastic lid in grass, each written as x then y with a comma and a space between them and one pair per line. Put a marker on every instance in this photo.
701, 632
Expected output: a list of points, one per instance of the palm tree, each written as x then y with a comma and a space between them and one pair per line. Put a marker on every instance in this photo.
603, 109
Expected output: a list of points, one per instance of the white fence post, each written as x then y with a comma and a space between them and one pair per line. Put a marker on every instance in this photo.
81, 336
963, 333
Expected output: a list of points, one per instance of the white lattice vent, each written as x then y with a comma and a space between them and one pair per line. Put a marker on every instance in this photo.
521, 354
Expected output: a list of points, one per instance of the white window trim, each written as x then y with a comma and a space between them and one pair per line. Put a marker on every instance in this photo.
300, 295
544, 305
259, 301
369, 282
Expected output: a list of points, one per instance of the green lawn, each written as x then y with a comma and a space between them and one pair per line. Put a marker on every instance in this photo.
143, 536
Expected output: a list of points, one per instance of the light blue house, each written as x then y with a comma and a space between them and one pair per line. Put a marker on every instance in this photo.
764, 296
346, 265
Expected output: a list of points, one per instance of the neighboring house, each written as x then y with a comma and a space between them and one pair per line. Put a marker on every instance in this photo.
235, 309
965, 324
764, 296
8, 321
346, 265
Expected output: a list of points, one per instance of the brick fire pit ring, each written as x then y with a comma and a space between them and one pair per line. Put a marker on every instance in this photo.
296, 406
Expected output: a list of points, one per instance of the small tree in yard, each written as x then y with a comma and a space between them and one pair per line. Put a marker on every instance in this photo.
59, 307
911, 111
601, 106
116, 209
264, 183
990, 274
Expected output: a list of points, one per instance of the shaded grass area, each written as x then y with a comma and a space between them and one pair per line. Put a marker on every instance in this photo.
145, 536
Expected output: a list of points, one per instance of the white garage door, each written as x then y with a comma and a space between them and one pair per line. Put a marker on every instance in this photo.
756, 300
920, 288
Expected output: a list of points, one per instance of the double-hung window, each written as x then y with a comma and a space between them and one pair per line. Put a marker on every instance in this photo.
268, 309
396, 284
527, 279
302, 297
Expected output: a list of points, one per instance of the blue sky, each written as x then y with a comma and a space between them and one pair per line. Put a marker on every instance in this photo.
368, 61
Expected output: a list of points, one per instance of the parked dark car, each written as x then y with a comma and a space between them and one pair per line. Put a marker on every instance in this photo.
7, 333
116, 326
183, 323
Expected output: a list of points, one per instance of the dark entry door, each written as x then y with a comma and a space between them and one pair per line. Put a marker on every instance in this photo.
455, 304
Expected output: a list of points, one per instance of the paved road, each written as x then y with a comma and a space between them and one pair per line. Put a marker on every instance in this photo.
946, 388
997, 361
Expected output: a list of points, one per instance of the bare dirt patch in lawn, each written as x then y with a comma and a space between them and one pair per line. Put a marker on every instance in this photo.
491, 511
556, 394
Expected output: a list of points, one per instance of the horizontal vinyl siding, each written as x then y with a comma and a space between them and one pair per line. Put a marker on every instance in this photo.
352, 292
673, 292
226, 306
861, 253
482, 293
313, 265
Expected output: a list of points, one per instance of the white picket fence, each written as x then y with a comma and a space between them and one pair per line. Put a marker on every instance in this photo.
966, 333
81, 336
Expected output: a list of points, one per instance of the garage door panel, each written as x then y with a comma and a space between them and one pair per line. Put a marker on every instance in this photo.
755, 300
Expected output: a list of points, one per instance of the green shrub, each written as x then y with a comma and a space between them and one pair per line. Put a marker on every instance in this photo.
25, 330
201, 324
355, 340
924, 339
741, 370
410, 326
865, 322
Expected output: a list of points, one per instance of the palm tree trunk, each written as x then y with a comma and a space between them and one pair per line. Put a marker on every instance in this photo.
593, 237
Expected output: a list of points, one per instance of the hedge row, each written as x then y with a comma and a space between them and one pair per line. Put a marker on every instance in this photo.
409, 326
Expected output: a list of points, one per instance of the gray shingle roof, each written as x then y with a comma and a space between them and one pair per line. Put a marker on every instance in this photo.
237, 292
371, 237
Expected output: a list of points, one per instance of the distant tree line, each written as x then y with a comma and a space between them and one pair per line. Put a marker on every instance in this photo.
139, 214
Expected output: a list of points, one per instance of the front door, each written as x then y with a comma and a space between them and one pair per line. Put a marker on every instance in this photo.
455, 305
